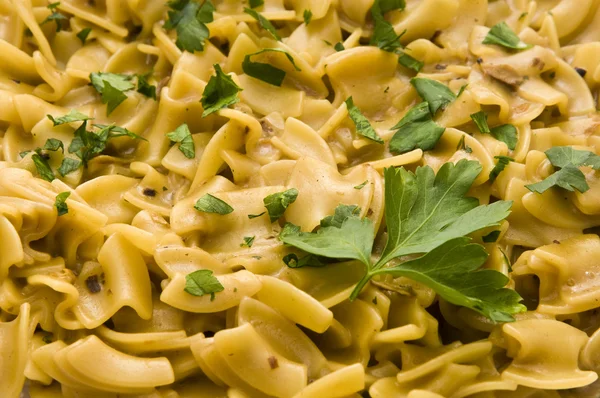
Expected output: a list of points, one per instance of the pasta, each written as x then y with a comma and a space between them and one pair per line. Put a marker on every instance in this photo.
300, 198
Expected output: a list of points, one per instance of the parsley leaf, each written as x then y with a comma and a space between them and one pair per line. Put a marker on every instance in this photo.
503, 161
212, 204
502, 35
264, 23
248, 241
220, 92
480, 119
384, 35
339, 46
43, 168
201, 282
256, 3
342, 213
189, 19
72, 116
462, 146
409, 62
569, 176
352, 239
251, 216
55, 16
361, 186
52, 144
491, 237
83, 34
183, 136
429, 214
292, 261
436, 94
307, 16
112, 88
506, 133
68, 165
452, 270
277, 203
561, 156
363, 127
61, 203
266, 72
416, 130
145, 88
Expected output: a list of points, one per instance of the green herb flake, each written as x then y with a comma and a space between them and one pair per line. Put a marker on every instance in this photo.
416, 130
61, 203
462, 146
502, 35
430, 215
264, 23
52, 144
462, 90
220, 92
436, 94
72, 116
363, 127
189, 20
252, 216
55, 16
506, 133
43, 168
68, 165
144, 87
292, 261
307, 16
256, 3
248, 241
83, 34
409, 62
569, 176
112, 88
211, 204
277, 203
183, 137
339, 46
266, 72
501, 164
384, 35
480, 120
361, 186
201, 282
491, 237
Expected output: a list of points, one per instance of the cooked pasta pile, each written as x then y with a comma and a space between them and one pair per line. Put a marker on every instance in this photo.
299, 198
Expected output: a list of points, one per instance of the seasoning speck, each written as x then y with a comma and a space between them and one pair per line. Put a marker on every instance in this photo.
92, 284
273, 363
582, 72
556, 241
149, 192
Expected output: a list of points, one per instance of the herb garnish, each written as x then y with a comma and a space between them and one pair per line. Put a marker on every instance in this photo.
220, 92
55, 16
189, 19
502, 35
363, 127
183, 136
201, 282
211, 204
277, 203
266, 72
503, 161
416, 130
61, 203
425, 214
263, 22
307, 16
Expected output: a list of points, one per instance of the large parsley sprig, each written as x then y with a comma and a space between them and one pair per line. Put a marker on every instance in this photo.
430, 215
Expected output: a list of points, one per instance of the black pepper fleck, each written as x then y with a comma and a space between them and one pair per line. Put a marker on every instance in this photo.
582, 72
149, 192
92, 284
273, 363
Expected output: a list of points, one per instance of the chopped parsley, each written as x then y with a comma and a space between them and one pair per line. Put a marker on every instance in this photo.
189, 20
55, 16
501, 34
501, 164
363, 127
220, 92
409, 62
339, 46
72, 116
416, 130
248, 241
61, 203
569, 177
183, 137
256, 3
266, 72
307, 16
211, 204
43, 168
480, 120
201, 282
145, 88
277, 203
436, 94
112, 88
384, 35
506, 133
263, 22
83, 34
361, 186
